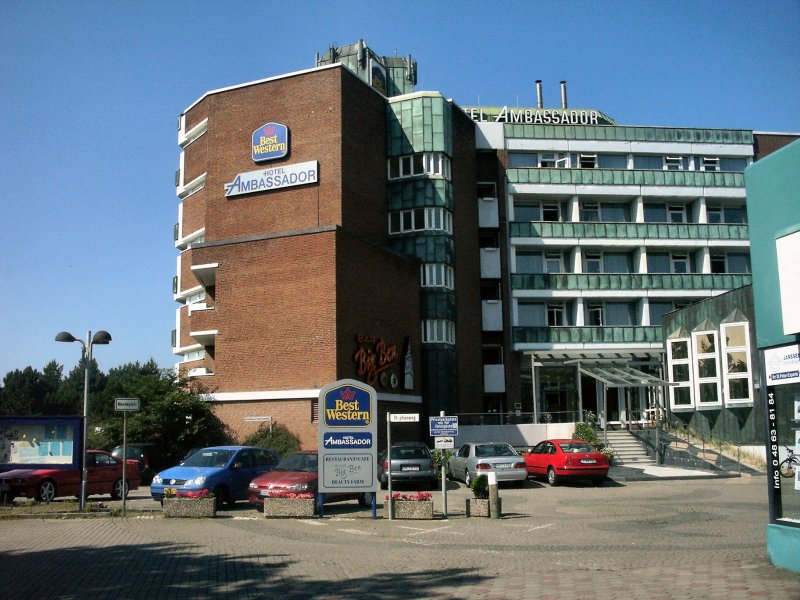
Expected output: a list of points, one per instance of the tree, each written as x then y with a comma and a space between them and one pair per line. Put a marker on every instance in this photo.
275, 436
22, 392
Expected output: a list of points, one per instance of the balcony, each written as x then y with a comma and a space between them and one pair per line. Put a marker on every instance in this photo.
205, 338
492, 315
587, 335
629, 281
490, 263
206, 274
488, 213
632, 231
595, 177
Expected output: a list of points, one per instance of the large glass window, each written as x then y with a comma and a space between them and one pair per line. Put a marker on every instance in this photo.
732, 164
538, 262
706, 369
730, 262
522, 160
680, 372
612, 161
532, 210
655, 213
611, 314
531, 314
726, 214
658, 310
736, 358
607, 212
648, 162
438, 331
607, 262
437, 275
419, 219
433, 164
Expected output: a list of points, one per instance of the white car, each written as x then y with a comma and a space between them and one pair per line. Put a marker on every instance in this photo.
479, 458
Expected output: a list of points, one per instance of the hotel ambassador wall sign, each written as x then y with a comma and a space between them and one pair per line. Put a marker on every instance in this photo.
271, 142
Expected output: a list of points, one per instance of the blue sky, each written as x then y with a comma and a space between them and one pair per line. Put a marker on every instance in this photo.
90, 93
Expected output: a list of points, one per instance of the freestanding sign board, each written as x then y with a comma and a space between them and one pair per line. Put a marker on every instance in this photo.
348, 437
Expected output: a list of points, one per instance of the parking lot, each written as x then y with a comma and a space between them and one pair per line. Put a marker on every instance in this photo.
696, 538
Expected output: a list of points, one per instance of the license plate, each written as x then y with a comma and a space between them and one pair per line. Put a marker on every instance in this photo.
588, 461
410, 468
503, 466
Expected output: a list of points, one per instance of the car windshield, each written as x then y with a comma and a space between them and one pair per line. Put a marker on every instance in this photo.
299, 462
486, 450
575, 447
409, 453
209, 458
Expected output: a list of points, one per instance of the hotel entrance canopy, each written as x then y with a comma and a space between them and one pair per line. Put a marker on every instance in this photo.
616, 377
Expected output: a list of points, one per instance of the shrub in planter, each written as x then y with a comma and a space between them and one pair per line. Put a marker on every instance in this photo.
480, 487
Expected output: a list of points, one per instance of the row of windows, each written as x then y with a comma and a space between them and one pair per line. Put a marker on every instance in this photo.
563, 160
710, 366
532, 262
421, 219
437, 275
438, 331
620, 212
433, 164
596, 314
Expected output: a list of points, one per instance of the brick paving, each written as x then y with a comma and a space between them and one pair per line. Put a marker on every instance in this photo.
686, 539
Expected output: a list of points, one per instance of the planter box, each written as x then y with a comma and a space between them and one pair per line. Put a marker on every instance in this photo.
409, 509
479, 507
190, 507
289, 507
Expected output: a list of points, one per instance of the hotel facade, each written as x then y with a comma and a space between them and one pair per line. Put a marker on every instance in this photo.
505, 265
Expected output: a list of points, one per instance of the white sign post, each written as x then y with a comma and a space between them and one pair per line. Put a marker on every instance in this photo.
125, 405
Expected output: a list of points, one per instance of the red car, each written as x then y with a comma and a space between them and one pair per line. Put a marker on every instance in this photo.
103, 476
557, 459
296, 474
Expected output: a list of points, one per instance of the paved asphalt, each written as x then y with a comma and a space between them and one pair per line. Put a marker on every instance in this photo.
659, 535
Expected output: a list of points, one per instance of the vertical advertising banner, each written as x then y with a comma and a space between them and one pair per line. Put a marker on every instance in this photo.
348, 437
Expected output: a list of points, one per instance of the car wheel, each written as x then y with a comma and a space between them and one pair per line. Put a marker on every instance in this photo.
46, 491
118, 490
220, 496
552, 478
365, 499
467, 478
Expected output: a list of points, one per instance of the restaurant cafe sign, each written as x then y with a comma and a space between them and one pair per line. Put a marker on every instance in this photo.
537, 116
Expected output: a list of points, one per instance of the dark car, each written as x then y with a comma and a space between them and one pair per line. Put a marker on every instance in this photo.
411, 463
225, 471
149, 459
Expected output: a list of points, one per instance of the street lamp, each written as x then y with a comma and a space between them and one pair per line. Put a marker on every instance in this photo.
101, 337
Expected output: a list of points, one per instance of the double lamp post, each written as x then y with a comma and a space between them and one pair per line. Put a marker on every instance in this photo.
101, 337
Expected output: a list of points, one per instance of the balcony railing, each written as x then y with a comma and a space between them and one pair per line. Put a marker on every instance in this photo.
661, 231
586, 335
629, 281
626, 177
626, 133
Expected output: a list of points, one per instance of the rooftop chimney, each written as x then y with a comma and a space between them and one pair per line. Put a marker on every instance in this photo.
539, 102
563, 94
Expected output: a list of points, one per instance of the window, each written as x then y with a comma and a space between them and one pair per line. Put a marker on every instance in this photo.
590, 211
420, 219
677, 213
658, 310
736, 358
680, 372
607, 212
706, 369
437, 275
557, 314
663, 262
527, 210
433, 164
522, 160
587, 161
612, 161
655, 213
718, 213
531, 314
536, 262
676, 163
709, 163
730, 262
606, 262
647, 162
732, 164
609, 314
438, 331
553, 160
194, 355
553, 262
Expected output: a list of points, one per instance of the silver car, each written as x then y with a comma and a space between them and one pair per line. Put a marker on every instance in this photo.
479, 458
411, 463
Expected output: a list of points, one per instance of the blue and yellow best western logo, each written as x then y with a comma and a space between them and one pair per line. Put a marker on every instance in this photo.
270, 141
347, 406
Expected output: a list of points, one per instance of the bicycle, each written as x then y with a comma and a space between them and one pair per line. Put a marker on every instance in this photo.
787, 466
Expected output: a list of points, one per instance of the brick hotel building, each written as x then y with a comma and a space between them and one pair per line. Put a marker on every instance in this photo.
334, 223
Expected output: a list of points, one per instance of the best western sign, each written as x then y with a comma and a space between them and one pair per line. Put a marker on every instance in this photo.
272, 179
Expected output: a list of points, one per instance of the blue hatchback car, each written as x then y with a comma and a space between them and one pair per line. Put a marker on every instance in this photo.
225, 471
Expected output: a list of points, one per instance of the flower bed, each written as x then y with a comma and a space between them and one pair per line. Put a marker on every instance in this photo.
291, 505
409, 506
189, 504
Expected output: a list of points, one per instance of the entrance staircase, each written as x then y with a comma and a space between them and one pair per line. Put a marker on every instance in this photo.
628, 451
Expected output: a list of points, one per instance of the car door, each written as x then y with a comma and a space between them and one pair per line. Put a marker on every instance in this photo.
458, 462
536, 460
244, 469
103, 471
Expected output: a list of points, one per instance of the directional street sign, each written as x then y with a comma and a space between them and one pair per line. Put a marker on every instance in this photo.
443, 426
404, 418
126, 404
